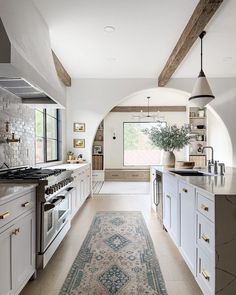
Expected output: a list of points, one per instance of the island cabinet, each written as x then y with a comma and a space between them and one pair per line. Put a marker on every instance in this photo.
207, 231
187, 224
171, 210
17, 242
82, 185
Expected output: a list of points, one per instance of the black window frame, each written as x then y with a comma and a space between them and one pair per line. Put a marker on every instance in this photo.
45, 137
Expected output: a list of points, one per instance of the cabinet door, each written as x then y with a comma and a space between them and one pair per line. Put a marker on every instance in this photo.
167, 211
171, 207
188, 233
23, 250
5, 262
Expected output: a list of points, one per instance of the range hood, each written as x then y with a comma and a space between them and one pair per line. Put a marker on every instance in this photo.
26, 63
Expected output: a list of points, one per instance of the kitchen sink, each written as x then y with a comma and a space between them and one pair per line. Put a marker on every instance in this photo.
190, 173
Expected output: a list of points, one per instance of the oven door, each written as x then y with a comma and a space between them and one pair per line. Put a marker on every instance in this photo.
49, 224
63, 208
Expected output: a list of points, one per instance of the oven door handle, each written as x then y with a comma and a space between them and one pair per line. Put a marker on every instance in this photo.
48, 206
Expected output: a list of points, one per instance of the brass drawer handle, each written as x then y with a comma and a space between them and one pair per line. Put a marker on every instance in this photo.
114, 175
16, 231
205, 238
185, 190
206, 275
204, 207
5, 215
26, 204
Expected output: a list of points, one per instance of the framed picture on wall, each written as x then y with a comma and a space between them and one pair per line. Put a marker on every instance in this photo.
79, 143
79, 127
97, 149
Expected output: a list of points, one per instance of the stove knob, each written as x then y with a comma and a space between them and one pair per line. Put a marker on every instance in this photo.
50, 190
47, 192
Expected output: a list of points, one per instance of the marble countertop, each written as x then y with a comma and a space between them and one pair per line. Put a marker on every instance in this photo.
69, 166
7, 191
215, 184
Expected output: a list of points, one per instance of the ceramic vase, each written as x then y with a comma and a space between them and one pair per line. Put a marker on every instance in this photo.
168, 159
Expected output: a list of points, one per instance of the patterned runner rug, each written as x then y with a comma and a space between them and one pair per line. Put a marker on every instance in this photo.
117, 257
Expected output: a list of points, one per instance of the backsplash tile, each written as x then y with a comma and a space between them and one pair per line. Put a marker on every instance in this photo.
21, 119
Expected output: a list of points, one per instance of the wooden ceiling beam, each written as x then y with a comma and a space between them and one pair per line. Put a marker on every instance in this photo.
61, 72
196, 24
137, 109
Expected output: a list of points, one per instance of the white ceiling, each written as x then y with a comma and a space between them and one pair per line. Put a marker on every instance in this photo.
146, 31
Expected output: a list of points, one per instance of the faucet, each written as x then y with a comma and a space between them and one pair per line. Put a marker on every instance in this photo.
212, 152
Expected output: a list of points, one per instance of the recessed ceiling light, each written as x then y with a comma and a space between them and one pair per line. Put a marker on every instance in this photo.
109, 29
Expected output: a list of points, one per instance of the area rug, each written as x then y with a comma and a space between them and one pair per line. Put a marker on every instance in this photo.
116, 257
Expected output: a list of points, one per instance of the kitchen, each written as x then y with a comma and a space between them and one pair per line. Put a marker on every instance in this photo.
54, 94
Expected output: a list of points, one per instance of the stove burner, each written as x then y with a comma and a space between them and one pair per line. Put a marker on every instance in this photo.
30, 173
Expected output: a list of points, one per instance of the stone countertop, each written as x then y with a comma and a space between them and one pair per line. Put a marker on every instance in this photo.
215, 184
7, 191
69, 166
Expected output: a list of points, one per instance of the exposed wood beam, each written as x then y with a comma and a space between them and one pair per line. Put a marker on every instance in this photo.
196, 24
61, 72
137, 109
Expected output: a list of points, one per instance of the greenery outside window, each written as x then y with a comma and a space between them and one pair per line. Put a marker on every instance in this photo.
48, 140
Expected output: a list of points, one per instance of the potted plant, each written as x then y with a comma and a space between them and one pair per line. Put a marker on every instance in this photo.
168, 139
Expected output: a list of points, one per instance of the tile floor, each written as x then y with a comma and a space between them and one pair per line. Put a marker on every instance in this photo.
176, 274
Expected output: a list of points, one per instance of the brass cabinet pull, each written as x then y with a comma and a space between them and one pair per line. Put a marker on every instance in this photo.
26, 204
185, 190
205, 238
206, 275
5, 215
204, 207
16, 231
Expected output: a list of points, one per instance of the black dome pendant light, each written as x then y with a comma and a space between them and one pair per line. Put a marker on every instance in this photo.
201, 94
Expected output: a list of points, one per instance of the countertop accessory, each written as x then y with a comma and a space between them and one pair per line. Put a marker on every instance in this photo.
201, 94
222, 168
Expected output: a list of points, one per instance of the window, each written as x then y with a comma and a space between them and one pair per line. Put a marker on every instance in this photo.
138, 149
48, 141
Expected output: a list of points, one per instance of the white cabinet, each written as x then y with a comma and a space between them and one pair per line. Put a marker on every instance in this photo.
17, 245
82, 184
171, 207
23, 250
187, 222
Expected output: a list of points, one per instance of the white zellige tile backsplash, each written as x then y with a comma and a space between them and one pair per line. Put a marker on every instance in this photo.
21, 119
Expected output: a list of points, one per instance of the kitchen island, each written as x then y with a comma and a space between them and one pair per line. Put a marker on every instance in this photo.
199, 213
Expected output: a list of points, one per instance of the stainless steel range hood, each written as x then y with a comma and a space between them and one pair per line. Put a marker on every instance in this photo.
26, 63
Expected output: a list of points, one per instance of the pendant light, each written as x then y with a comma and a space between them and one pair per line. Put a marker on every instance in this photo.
201, 94
154, 117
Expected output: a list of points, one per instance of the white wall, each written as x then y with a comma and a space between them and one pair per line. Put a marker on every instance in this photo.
219, 138
113, 149
89, 100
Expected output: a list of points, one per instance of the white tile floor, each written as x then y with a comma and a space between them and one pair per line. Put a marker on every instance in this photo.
178, 278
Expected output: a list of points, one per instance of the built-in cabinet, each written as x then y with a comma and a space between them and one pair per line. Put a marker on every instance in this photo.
202, 225
17, 243
187, 223
82, 184
171, 217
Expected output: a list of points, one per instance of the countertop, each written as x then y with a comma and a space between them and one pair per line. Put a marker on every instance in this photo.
69, 166
7, 191
215, 184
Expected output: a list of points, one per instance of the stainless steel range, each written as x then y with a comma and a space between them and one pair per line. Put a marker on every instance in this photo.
53, 205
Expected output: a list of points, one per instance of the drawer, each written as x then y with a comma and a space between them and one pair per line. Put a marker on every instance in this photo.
205, 272
205, 206
205, 234
16, 207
